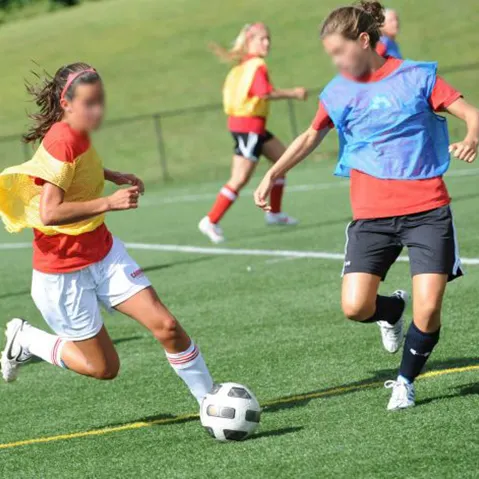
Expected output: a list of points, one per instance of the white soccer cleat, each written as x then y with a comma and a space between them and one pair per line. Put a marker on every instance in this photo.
403, 395
13, 355
393, 334
213, 231
281, 219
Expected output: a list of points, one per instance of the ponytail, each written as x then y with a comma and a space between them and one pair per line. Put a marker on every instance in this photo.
240, 46
363, 17
48, 93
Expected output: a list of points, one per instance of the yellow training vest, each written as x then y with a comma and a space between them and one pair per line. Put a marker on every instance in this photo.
82, 180
236, 101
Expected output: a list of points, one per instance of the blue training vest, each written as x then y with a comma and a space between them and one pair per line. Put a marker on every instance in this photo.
387, 128
392, 47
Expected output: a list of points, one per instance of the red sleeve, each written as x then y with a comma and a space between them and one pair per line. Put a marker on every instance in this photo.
261, 85
381, 49
60, 149
322, 120
443, 95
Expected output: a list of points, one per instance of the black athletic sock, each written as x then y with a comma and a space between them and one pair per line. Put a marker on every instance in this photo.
417, 349
388, 308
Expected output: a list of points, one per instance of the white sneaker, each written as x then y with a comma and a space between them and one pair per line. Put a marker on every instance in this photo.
214, 232
403, 395
13, 355
393, 334
280, 219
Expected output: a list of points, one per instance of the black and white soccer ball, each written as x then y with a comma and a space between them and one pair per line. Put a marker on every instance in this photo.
230, 412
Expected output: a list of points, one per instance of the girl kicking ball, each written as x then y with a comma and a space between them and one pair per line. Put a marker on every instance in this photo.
246, 95
77, 263
394, 147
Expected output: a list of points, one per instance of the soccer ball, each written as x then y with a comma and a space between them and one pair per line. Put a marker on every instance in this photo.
230, 412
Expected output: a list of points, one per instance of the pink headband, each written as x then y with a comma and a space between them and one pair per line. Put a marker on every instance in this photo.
72, 77
255, 26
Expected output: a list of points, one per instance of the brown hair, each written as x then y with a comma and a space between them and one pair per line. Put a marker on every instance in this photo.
47, 95
362, 17
240, 46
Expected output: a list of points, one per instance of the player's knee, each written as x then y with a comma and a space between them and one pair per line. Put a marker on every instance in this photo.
167, 329
238, 181
429, 311
105, 371
357, 311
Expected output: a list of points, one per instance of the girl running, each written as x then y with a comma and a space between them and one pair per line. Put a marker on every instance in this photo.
77, 263
387, 45
394, 148
246, 95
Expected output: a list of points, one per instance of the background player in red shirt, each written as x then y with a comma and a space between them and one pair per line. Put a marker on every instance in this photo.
246, 96
384, 112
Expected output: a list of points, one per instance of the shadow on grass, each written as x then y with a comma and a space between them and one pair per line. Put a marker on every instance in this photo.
276, 432
301, 400
459, 391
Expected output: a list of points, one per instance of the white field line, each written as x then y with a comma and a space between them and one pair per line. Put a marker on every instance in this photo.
278, 253
215, 251
155, 200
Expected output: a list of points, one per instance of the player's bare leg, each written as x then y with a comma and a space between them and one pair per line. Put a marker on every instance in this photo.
182, 353
241, 171
95, 357
360, 302
273, 149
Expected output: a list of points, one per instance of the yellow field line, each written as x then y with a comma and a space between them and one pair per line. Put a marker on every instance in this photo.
186, 417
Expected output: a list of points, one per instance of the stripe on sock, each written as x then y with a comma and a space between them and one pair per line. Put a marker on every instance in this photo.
58, 342
180, 359
228, 193
280, 181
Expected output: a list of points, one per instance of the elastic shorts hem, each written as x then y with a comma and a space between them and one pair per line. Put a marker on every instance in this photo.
83, 337
129, 294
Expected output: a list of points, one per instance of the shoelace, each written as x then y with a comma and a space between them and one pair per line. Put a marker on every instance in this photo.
390, 384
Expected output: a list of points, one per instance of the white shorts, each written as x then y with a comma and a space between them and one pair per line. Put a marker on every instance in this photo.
70, 302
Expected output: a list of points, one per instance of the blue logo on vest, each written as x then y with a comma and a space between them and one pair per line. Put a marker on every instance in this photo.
380, 102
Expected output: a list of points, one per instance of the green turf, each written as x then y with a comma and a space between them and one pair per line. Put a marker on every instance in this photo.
278, 327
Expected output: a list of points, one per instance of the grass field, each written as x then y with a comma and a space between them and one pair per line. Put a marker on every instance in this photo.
277, 328
268, 321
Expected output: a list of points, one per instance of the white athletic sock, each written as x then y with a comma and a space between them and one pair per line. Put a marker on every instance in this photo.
191, 367
43, 345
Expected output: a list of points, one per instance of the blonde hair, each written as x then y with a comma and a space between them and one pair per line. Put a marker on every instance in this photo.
240, 46
362, 17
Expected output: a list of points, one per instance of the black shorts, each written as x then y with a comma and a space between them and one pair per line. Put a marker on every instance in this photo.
372, 246
250, 145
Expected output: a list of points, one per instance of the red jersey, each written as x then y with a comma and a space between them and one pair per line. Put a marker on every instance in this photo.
378, 198
260, 87
63, 253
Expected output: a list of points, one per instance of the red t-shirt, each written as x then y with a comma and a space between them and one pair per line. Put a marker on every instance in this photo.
64, 253
378, 198
260, 87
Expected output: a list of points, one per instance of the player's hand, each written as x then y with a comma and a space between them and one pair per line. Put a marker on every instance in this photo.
124, 199
261, 195
128, 179
301, 93
464, 150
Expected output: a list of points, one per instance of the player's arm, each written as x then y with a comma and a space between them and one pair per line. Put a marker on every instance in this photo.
301, 147
466, 149
55, 211
298, 93
123, 179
